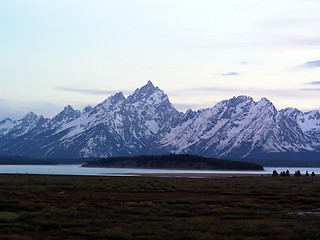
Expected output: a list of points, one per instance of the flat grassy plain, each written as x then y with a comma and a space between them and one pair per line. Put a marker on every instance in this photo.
91, 207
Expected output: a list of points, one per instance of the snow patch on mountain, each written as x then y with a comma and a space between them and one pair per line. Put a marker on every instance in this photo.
310, 121
6, 125
147, 123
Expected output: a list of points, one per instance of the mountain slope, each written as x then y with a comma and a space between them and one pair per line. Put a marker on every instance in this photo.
236, 128
147, 123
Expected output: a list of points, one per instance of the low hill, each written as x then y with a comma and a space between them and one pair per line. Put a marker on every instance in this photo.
173, 161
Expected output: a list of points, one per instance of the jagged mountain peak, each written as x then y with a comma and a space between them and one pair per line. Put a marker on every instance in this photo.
235, 101
30, 122
87, 109
291, 112
6, 125
149, 83
240, 99
6, 120
69, 111
265, 101
68, 108
66, 115
189, 114
112, 101
147, 91
147, 88
232, 107
30, 117
147, 123
189, 111
117, 97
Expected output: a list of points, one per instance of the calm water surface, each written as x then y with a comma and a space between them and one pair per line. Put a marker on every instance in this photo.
78, 170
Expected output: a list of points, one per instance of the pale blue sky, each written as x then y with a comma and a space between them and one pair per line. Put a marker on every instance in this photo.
59, 52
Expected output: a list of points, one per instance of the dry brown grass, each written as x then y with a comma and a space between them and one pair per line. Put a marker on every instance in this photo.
83, 207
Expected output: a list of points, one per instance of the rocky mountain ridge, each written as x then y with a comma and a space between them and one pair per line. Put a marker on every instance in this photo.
147, 123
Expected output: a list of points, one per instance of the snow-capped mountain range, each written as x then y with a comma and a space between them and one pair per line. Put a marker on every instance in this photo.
147, 123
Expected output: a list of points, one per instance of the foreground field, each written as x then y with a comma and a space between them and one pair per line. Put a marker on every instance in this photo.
80, 207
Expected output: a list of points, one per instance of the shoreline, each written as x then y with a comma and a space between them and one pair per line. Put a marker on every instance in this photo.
194, 175
175, 169
81, 171
153, 175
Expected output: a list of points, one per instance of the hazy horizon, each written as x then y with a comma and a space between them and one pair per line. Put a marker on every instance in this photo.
180, 107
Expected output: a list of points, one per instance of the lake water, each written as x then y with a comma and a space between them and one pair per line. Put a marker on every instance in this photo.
78, 170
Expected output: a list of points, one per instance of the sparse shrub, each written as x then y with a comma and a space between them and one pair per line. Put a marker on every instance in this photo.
275, 173
313, 174
307, 174
297, 173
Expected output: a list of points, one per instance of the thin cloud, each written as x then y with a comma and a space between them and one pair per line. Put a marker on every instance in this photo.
311, 89
314, 83
229, 74
237, 91
87, 91
312, 64
201, 90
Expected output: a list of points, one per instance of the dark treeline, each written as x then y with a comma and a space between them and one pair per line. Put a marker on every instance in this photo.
174, 161
14, 160
22, 160
288, 174
286, 162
